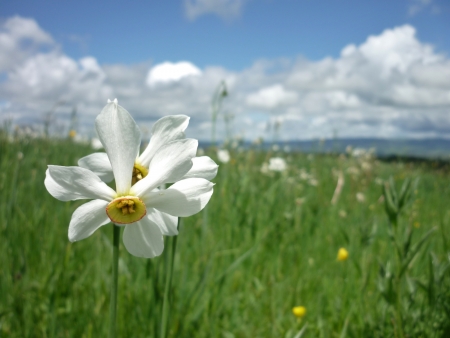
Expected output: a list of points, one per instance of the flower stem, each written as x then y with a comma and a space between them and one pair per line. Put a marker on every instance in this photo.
115, 274
170, 258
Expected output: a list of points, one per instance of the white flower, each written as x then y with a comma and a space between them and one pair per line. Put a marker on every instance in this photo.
80, 139
265, 168
304, 175
353, 171
379, 181
96, 144
223, 155
366, 166
358, 152
277, 164
313, 182
360, 197
165, 130
146, 213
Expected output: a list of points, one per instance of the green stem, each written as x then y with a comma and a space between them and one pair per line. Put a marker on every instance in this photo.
170, 257
115, 274
204, 223
398, 308
398, 280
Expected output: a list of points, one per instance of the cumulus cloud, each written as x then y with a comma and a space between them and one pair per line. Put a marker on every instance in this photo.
168, 72
47, 78
226, 9
19, 39
391, 85
272, 97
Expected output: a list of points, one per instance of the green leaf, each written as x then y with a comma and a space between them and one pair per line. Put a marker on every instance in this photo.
415, 251
235, 264
393, 191
389, 204
407, 243
301, 332
430, 288
405, 193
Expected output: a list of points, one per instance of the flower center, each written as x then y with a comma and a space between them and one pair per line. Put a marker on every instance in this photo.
139, 172
126, 209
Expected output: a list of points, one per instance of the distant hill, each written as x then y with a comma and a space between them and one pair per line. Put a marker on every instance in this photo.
429, 148
425, 148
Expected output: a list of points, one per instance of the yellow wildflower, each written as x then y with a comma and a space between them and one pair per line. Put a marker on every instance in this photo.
299, 311
72, 133
342, 255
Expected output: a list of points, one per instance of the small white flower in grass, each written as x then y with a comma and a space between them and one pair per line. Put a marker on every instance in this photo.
165, 130
96, 144
223, 155
360, 197
265, 168
379, 181
313, 182
277, 164
145, 212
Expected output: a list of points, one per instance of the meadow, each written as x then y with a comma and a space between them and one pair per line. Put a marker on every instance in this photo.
266, 242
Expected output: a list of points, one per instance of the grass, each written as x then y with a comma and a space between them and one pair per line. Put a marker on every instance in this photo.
267, 243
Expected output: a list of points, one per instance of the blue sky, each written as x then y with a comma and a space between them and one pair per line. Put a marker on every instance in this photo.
263, 48
117, 32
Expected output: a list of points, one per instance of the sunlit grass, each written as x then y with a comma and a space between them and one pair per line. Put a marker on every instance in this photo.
269, 245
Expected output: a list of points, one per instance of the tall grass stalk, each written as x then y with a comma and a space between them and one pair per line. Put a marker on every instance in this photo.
216, 106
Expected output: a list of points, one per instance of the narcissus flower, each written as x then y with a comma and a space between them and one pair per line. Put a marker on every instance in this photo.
277, 164
342, 255
165, 130
146, 212
299, 311
223, 155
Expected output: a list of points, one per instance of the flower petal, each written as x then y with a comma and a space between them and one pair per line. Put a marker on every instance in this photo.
167, 223
121, 139
74, 183
143, 238
202, 167
182, 199
165, 130
86, 219
171, 162
99, 164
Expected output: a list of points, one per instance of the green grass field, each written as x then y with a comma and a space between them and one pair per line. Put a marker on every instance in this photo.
264, 244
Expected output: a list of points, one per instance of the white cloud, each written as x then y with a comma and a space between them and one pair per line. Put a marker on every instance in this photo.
226, 9
55, 77
272, 97
417, 6
396, 50
168, 72
392, 85
19, 39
